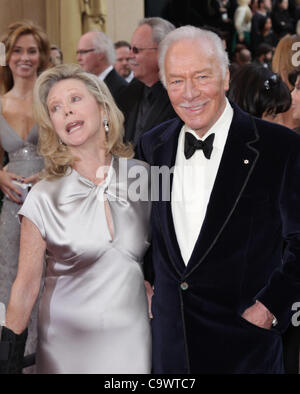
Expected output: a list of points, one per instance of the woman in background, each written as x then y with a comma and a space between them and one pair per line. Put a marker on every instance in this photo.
260, 92
283, 22
27, 54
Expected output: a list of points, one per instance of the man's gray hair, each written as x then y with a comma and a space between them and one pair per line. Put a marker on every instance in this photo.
160, 27
193, 33
103, 44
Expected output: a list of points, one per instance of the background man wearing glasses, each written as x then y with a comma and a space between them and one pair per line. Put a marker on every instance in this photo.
145, 102
96, 54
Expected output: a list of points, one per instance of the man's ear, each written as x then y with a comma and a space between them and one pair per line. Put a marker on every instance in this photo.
100, 56
227, 80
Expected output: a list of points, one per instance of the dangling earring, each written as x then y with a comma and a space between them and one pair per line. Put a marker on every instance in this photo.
61, 142
106, 127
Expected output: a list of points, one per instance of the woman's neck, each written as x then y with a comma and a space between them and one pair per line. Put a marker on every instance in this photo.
22, 88
93, 165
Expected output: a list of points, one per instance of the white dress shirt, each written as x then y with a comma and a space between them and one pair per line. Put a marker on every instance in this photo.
104, 73
193, 182
130, 77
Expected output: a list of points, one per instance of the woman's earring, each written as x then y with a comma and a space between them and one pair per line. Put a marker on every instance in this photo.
61, 142
106, 127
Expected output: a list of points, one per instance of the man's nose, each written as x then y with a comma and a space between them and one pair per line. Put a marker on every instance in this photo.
190, 90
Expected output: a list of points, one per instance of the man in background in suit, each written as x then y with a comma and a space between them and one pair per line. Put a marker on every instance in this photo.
145, 102
96, 54
226, 233
122, 63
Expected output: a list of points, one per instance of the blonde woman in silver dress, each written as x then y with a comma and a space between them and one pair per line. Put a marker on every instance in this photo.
93, 315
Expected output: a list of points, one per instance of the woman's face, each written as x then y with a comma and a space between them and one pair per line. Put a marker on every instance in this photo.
75, 114
24, 60
296, 100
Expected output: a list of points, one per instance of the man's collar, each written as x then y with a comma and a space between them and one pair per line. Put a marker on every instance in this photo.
104, 73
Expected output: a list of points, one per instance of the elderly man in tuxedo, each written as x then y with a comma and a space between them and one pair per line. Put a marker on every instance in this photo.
226, 239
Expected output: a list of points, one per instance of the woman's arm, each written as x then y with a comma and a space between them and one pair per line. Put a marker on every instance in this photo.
6, 178
26, 287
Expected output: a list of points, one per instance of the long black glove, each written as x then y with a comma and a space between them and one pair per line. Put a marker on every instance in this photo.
12, 347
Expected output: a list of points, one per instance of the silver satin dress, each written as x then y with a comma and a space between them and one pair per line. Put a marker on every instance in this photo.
93, 314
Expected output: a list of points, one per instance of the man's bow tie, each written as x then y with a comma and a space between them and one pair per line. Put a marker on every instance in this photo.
191, 143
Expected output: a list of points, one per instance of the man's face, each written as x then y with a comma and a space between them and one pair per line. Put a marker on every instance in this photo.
122, 65
55, 57
195, 83
87, 56
144, 64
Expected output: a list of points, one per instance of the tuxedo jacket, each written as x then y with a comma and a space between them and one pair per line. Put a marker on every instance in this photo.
160, 111
115, 84
248, 249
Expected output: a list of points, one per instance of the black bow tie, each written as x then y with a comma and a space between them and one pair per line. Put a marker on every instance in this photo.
191, 143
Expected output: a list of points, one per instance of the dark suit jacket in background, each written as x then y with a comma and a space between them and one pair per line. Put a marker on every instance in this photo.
115, 83
130, 99
253, 211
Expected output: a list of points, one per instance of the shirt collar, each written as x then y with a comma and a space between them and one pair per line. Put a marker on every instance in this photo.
220, 128
104, 73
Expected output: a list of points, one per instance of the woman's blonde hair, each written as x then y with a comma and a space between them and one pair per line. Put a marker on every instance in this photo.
9, 39
282, 62
58, 157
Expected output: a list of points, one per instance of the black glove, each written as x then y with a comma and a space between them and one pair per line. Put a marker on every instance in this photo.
12, 347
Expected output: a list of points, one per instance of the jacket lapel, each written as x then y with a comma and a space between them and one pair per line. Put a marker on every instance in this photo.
237, 163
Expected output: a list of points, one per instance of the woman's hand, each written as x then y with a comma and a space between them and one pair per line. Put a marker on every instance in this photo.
10, 190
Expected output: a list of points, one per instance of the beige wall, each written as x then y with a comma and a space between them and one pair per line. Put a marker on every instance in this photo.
62, 19
123, 17
13, 10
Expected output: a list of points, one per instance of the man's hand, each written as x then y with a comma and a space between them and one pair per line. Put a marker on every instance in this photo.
259, 315
149, 292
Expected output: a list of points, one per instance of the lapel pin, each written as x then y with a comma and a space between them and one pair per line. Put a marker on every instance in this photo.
246, 161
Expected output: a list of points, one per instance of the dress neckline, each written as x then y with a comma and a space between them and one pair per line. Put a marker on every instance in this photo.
13, 130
